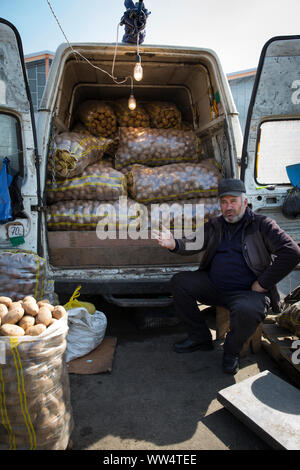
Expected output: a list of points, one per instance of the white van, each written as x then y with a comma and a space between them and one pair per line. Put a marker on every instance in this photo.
136, 272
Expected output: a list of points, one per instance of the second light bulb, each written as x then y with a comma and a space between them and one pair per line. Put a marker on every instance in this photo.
138, 71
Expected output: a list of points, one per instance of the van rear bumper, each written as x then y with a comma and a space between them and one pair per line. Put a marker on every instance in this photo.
124, 293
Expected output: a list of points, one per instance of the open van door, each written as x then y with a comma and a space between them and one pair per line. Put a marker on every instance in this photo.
272, 132
18, 143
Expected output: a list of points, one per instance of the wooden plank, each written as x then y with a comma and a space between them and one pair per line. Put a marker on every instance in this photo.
82, 249
281, 341
89, 238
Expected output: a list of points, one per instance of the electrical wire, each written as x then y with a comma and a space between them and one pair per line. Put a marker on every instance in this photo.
75, 52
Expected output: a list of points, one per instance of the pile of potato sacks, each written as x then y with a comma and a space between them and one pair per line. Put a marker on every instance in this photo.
149, 147
34, 383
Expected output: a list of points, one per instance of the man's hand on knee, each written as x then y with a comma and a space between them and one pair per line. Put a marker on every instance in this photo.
257, 287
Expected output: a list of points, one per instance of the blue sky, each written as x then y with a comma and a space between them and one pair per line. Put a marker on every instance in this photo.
236, 30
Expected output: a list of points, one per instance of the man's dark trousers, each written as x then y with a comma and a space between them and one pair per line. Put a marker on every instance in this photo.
247, 308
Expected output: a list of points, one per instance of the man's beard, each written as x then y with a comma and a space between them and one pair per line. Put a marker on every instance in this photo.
236, 218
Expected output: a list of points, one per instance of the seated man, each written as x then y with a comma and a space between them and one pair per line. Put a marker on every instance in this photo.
245, 255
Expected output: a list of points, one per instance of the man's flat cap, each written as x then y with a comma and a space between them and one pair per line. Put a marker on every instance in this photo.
231, 187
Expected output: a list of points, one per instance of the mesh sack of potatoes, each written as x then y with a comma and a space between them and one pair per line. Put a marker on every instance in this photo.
89, 215
183, 214
131, 118
163, 115
97, 182
35, 393
290, 318
22, 273
71, 153
98, 117
80, 128
155, 147
174, 181
110, 149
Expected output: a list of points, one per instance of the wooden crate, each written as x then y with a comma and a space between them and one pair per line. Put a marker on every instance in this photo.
278, 342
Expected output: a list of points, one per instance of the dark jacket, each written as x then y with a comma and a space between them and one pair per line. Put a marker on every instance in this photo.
268, 251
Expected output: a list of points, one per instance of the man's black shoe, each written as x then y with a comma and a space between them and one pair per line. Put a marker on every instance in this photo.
230, 363
189, 345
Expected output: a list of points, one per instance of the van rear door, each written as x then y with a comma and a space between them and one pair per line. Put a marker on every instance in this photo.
18, 142
272, 132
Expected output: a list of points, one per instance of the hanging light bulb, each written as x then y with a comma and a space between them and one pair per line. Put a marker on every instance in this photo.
138, 69
131, 101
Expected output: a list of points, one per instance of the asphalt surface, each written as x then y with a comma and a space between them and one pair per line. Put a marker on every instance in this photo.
156, 399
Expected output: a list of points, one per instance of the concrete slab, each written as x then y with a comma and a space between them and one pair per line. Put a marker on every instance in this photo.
269, 406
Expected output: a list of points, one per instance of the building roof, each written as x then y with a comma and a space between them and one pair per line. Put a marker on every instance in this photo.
38, 55
241, 74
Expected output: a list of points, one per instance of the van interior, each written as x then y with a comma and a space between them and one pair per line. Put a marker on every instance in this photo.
179, 77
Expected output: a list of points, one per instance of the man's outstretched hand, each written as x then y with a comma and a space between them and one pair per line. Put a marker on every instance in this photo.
164, 238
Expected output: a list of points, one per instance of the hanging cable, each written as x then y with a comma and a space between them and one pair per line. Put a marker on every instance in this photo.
77, 53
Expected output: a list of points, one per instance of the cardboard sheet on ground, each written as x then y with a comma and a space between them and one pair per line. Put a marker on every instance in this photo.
97, 361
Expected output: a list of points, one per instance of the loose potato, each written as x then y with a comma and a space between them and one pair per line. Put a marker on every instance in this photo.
13, 316
44, 316
15, 305
31, 307
6, 301
47, 305
43, 301
29, 298
11, 330
58, 312
26, 321
35, 330
3, 310
53, 320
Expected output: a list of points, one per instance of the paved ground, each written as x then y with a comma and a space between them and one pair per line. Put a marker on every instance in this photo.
156, 399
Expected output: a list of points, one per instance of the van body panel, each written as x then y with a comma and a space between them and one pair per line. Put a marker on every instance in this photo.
271, 139
15, 103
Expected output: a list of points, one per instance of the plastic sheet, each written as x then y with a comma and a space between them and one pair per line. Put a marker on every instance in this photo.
174, 181
163, 115
97, 182
155, 147
22, 273
73, 152
98, 117
5, 202
35, 394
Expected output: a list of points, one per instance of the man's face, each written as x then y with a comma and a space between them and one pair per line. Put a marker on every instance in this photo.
232, 208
